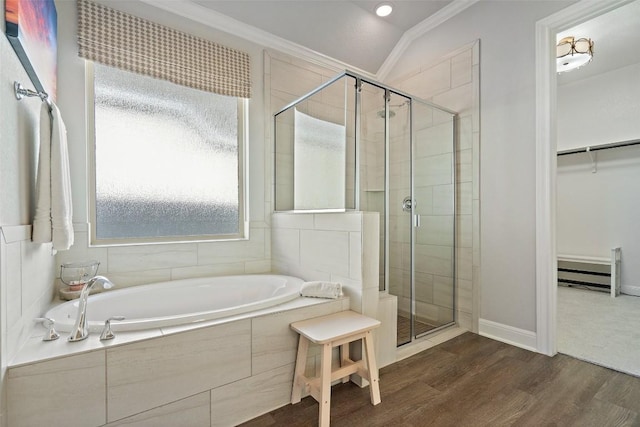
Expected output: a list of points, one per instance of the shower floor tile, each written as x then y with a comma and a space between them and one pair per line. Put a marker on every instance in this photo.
404, 329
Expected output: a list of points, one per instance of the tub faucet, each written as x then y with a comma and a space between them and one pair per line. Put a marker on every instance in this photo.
80, 330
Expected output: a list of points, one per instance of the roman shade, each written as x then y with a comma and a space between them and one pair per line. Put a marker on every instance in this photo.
133, 44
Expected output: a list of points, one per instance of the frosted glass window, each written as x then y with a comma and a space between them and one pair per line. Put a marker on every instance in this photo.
167, 159
319, 163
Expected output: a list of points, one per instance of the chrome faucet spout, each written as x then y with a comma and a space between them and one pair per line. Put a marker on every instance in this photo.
80, 330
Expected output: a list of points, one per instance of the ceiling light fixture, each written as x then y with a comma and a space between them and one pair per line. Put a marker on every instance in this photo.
384, 9
573, 53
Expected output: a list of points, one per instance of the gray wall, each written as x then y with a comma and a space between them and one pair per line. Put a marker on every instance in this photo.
507, 174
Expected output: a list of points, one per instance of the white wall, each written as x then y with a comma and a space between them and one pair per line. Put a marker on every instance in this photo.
26, 269
600, 109
598, 211
507, 174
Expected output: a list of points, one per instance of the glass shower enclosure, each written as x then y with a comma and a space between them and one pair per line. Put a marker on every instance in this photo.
356, 144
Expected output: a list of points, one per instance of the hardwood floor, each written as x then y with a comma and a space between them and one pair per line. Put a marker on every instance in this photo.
475, 381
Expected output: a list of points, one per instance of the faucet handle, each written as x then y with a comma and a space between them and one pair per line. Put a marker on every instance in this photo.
51, 334
107, 333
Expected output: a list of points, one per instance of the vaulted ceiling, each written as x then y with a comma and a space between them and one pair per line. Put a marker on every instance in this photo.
348, 31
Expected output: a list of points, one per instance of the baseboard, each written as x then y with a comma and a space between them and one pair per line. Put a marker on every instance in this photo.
630, 290
508, 334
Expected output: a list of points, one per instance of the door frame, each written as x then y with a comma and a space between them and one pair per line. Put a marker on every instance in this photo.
546, 161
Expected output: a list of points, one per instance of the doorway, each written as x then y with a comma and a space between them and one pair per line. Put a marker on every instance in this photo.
547, 166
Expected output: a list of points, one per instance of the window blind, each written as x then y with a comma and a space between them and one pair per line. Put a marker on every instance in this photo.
120, 40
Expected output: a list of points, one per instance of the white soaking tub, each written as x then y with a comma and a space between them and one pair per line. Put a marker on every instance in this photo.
179, 302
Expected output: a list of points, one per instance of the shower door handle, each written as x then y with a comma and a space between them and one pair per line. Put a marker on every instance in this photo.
406, 204
416, 221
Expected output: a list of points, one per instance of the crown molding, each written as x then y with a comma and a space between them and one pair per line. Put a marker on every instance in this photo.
418, 30
198, 13
211, 18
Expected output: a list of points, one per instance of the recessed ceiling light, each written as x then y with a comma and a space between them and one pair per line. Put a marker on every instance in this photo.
384, 9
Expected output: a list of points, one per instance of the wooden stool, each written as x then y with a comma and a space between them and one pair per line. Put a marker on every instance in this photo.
330, 331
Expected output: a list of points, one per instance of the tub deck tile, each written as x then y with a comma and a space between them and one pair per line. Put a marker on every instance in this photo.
194, 411
274, 343
42, 394
147, 374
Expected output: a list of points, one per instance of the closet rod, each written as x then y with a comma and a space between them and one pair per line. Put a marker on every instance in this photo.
600, 147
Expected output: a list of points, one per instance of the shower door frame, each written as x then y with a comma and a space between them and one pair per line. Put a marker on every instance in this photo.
414, 222
359, 79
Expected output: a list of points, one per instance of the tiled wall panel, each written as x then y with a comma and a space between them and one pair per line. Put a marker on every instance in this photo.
274, 343
62, 392
452, 83
163, 370
222, 374
193, 411
264, 392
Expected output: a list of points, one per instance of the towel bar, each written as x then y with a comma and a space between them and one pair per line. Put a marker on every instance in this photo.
22, 92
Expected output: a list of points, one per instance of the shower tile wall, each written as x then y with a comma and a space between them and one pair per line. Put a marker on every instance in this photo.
333, 104
399, 164
372, 161
330, 247
434, 188
136, 265
452, 83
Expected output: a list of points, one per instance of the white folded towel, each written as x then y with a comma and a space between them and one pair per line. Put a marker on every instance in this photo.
321, 290
53, 220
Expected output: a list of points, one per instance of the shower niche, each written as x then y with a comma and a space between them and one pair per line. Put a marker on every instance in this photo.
356, 144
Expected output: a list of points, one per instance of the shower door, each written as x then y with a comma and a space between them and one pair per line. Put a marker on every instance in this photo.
408, 176
433, 221
421, 216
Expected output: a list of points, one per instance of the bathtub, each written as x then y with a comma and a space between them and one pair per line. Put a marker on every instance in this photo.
179, 302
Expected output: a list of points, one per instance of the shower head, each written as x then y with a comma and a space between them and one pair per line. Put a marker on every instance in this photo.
391, 114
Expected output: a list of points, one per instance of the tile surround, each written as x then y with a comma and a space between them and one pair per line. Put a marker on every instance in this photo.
26, 288
458, 91
124, 259
41, 393
274, 344
266, 391
325, 251
192, 411
333, 249
137, 265
12, 254
197, 377
166, 369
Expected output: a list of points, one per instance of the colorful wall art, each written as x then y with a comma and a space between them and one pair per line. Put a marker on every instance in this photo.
31, 27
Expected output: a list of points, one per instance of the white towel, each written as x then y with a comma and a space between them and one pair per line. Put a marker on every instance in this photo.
53, 220
321, 290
